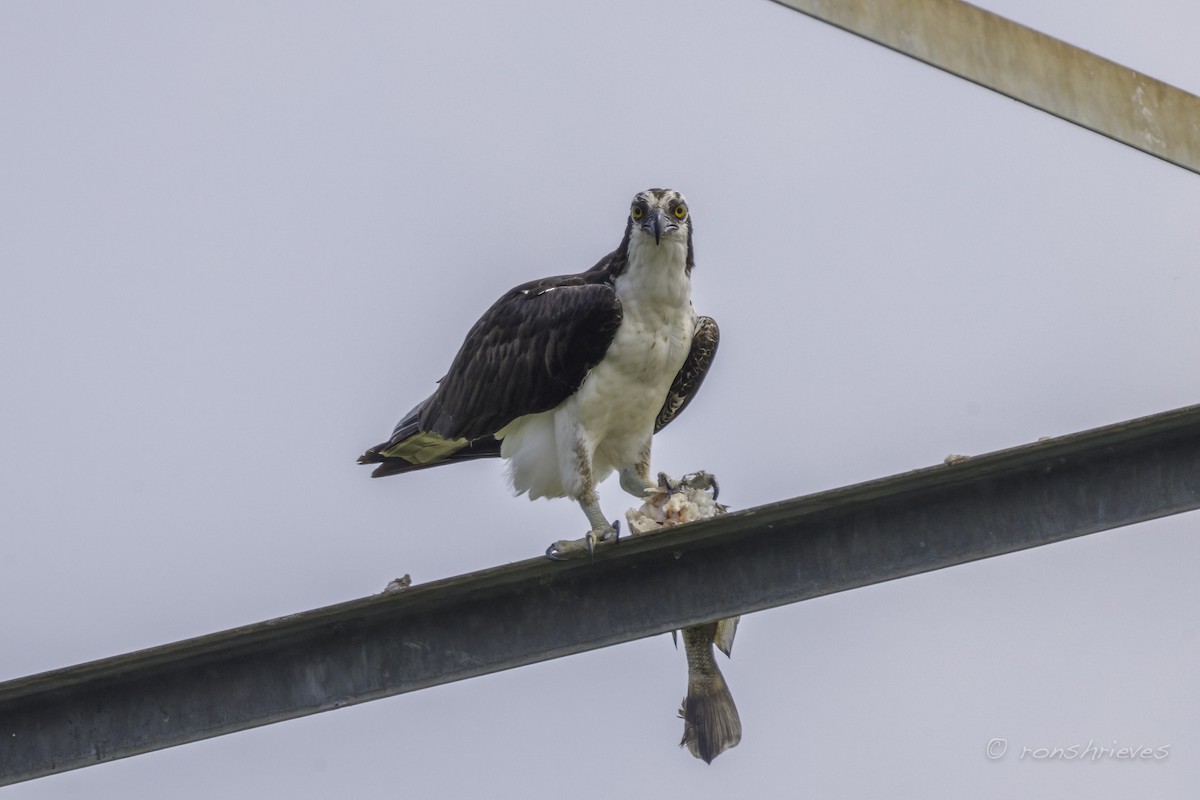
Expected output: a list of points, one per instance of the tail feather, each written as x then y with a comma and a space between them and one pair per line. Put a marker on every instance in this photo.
487, 447
411, 448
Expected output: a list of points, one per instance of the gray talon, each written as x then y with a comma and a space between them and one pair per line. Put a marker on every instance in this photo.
567, 549
664, 483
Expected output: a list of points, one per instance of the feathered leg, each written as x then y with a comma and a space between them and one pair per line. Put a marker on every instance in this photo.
577, 479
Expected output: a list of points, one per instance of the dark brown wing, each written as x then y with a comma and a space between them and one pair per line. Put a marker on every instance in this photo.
691, 375
530, 351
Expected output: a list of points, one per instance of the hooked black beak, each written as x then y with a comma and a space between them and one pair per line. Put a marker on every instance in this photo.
657, 223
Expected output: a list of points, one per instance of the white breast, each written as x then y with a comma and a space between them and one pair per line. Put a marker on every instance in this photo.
614, 410
624, 392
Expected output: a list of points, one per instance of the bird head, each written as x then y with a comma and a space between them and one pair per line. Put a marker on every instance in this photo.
660, 214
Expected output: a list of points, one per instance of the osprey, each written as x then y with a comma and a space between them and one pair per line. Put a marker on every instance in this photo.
569, 377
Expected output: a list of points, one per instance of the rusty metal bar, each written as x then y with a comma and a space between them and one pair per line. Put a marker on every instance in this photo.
1029, 66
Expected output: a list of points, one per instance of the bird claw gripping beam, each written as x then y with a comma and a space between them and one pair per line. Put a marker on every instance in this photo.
566, 549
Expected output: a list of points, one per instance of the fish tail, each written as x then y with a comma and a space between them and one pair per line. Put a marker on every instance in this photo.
710, 719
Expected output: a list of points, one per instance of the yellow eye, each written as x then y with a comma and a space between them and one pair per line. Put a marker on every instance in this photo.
636, 212
680, 211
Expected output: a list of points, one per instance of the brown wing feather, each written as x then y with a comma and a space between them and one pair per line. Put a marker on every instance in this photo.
691, 375
529, 352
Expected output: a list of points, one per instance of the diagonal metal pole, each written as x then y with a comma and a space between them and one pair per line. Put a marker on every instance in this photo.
1029, 66
536, 610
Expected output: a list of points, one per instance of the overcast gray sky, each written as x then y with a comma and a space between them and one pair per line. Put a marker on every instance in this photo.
240, 239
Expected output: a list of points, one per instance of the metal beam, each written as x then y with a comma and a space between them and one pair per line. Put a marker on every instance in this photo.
1029, 66
536, 610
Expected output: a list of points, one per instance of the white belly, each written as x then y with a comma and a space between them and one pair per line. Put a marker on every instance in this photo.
621, 397
611, 416
607, 424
